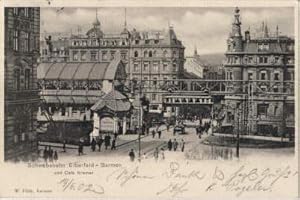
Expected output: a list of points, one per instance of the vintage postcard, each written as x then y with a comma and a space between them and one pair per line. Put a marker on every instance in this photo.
149, 99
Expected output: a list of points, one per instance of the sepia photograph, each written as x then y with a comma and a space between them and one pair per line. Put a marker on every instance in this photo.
150, 101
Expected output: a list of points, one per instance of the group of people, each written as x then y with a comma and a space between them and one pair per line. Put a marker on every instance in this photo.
157, 154
99, 141
175, 144
107, 140
49, 154
203, 128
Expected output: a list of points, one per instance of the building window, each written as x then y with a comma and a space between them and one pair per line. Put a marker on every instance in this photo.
174, 53
136, 67
165, 66
263, 75
145, 80
26, 12
290, 76
174, 67
262, 109
26, 42
155, 81
23, 136
16, 40
75, 55
16, 11
147, 41
17, 79
112, 55
276, 76
155, 67
156, 41
146, 67
94, 56
154, 53
136, 54
150, 54
229, 75
153, 97
250, 76
27, 79
137, 41
165, 53
145, 53
83, 55
263, 47
290, 47
290, 60
275, 89
104, 55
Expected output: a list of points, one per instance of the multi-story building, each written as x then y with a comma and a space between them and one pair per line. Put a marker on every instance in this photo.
148, 56
22, 38
194, 66
261, 71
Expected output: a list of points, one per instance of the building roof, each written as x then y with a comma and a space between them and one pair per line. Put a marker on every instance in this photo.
79, 70
114, 100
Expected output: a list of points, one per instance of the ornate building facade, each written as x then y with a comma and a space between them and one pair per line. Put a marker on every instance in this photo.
261, 69
148, 56
22, 37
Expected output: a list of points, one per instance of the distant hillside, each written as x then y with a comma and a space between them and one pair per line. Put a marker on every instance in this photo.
213, 59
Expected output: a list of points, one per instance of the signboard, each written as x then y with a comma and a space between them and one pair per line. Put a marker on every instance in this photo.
107, 124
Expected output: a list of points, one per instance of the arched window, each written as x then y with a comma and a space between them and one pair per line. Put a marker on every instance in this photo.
150, 54
145, 53
136, 54
263, 75
154, 53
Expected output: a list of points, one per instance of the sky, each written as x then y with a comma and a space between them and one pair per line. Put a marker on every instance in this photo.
204, 28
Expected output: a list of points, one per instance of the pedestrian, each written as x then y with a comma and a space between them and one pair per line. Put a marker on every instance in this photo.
159, 134
50, 151
162, 154
45, 154
168, 126
80, 149
93, 144
113, 144
64, 146
131, 155
107, 141
175, 144
116, 134
182, 145
55, 157
148, 130
155, 154
100, 142
153, 133
170, 145
144, 156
